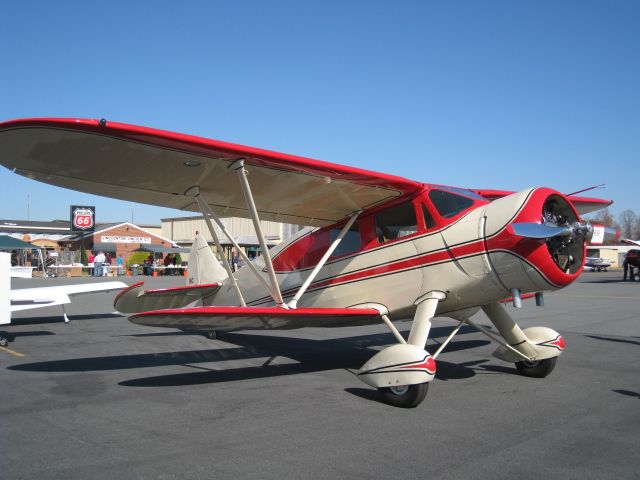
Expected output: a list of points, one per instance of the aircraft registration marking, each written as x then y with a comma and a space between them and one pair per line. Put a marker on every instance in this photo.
12, 352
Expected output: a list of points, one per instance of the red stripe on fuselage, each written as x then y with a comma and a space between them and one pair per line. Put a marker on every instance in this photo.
404, 264
530, 251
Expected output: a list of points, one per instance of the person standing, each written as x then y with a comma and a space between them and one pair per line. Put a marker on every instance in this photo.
97, 264
119, 264
106, 265
625, 269
167, 264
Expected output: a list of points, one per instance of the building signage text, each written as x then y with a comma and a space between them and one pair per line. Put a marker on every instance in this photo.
121, 239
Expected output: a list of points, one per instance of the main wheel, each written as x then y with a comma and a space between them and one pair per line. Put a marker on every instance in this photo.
405, 396
537, 368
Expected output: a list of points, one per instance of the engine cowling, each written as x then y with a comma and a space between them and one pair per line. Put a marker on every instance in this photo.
536, 240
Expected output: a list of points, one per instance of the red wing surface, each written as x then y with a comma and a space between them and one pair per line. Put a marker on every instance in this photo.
583, 205
163, 168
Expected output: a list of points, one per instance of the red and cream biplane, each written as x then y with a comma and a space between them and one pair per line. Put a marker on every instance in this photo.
378, 247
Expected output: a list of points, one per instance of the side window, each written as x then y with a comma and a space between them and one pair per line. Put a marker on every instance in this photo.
397, 222
429, 222
350, 242
449, 204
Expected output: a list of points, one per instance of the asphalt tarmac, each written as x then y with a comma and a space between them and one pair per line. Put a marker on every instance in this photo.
102, 398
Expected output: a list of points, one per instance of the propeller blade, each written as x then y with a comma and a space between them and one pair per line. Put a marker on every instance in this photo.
540, 231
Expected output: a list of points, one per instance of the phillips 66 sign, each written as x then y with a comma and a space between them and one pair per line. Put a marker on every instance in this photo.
82, 218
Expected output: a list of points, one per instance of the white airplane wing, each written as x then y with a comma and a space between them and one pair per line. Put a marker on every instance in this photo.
39, 297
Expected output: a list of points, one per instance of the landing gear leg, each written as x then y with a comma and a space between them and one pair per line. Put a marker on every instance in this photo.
509, 330
401, 372
534, 351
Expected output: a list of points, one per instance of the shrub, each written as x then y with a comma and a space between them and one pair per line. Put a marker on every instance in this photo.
137, 258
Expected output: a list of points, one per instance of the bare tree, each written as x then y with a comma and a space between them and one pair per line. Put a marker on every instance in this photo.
604, 217
636, 230
628, 220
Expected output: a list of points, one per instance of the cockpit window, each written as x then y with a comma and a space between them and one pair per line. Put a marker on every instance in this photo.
349, 243
396, 222
449, 204
461, 191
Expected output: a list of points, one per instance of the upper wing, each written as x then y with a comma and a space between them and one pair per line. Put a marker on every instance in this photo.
241, 318
582, 205
162, 168
28, 298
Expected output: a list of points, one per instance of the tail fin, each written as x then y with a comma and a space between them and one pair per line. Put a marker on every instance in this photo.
203, 265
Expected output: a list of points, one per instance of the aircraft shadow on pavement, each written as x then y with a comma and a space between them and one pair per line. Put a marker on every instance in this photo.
605, 280
11, 336
311, 355
615, 340
628, 393
161, 334
59, 319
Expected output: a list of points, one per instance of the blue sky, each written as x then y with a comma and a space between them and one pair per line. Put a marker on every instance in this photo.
479, 94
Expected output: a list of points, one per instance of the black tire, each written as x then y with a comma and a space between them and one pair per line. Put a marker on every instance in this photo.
4, 342
538, 368
212, 335
405, 396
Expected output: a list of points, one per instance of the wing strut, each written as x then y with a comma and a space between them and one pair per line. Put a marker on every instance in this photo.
207, 212
238, 166
203, 205
303, 288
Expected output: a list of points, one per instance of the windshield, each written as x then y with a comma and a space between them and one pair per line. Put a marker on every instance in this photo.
449, 204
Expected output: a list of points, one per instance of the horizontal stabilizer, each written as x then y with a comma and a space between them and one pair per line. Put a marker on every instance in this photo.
630, 242
135, 299
241, 318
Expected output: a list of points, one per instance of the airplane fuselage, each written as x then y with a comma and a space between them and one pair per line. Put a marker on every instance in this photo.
473, 253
